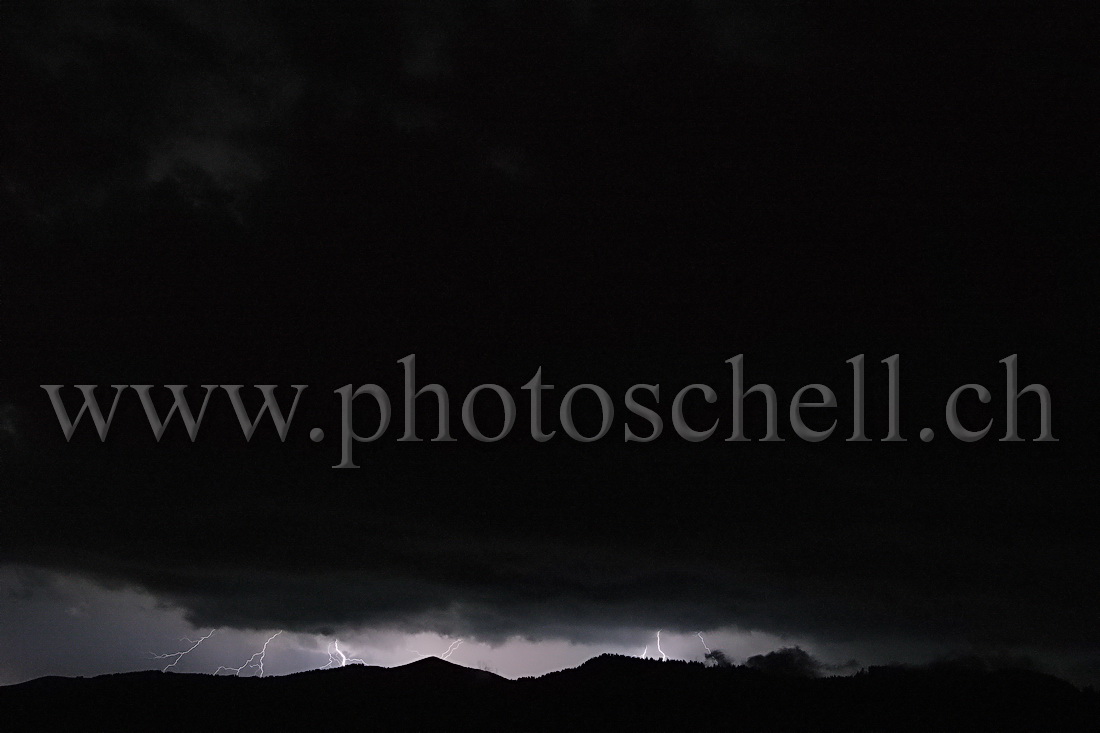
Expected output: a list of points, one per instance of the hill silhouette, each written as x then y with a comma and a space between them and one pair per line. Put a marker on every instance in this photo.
607, 692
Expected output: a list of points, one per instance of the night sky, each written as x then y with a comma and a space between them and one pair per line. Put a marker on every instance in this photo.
221, 193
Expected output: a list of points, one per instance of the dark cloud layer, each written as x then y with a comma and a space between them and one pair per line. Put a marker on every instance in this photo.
218, 193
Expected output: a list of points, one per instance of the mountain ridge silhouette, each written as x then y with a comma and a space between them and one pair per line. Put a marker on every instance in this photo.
605, 692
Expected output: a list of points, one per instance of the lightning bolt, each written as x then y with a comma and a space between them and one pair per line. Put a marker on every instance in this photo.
664, 657
700, 635
180, 655
451, 649
252, 661
644, 652
337, 658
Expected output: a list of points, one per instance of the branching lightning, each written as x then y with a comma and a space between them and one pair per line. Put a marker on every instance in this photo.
664, 657
256, 661
337, 658
177, 656
451, 649
700, 635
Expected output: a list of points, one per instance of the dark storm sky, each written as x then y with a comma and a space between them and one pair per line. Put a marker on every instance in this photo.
220, 193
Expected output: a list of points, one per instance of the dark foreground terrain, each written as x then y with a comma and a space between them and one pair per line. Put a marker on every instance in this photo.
607, 692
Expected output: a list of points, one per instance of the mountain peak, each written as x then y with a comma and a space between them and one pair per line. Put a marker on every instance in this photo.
431, 662
434, 668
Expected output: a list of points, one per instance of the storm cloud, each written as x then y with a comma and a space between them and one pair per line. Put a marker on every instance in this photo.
228, 193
